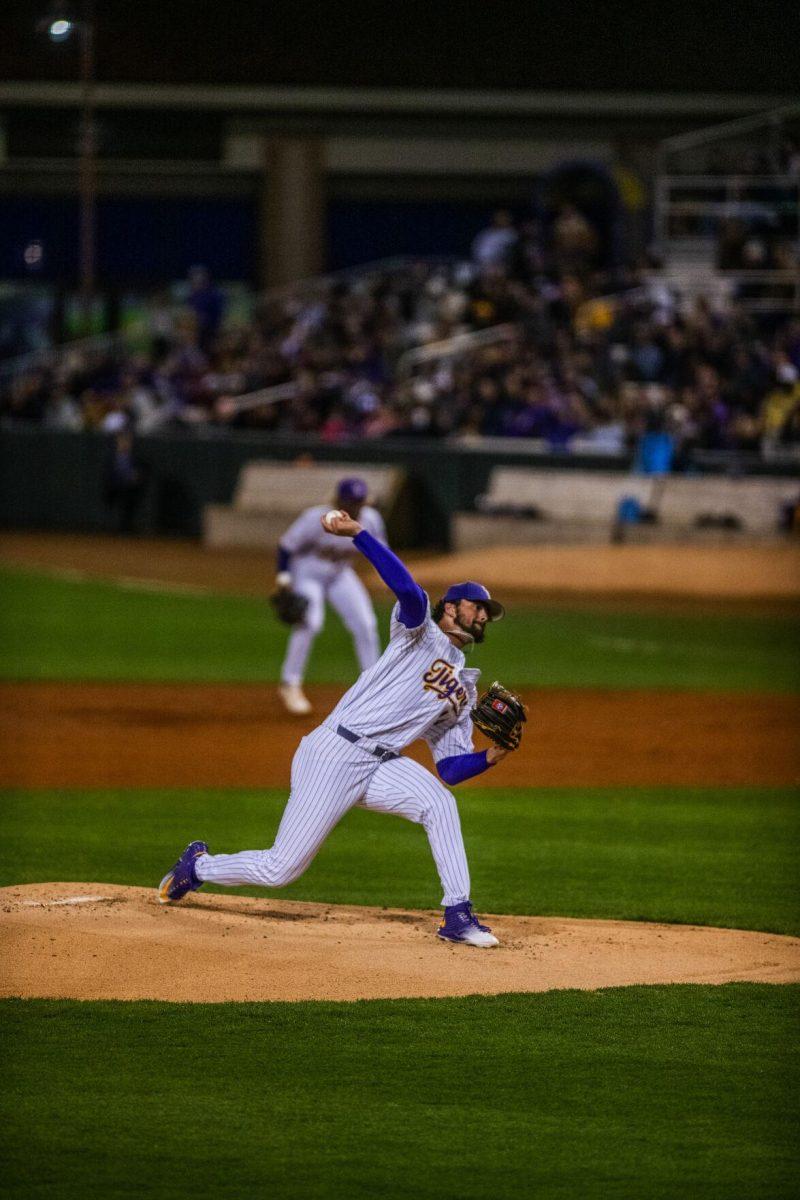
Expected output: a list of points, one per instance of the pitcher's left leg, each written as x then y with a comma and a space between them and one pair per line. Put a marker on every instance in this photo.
327, 780
404, 788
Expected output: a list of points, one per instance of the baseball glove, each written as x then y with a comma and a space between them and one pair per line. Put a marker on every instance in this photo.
290, 607
500, 715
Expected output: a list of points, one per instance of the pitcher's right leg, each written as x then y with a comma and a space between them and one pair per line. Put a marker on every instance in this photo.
403, 787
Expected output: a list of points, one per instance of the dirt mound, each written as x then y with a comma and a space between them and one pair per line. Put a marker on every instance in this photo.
98, 941
215, 735
732, 572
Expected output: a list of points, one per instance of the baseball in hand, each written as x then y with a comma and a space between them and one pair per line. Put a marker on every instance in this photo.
332, 516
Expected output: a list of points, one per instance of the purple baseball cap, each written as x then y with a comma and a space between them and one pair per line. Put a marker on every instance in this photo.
353, 489
470, 590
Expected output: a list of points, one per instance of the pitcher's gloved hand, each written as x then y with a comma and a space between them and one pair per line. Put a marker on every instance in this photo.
500, 714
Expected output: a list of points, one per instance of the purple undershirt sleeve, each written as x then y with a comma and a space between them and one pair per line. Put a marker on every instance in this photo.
459, 767
283, 559
413, 601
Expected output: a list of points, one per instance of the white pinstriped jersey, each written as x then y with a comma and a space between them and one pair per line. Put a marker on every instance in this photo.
418, 688
309, 544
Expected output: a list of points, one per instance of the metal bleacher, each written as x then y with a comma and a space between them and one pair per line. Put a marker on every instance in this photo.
745, 171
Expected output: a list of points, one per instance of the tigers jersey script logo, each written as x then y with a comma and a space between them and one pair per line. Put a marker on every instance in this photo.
441, 679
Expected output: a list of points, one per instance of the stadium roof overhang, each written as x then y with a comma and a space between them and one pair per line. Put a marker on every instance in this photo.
321, 101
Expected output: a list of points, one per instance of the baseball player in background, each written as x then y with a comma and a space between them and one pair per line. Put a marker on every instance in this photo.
420, 687
315, 564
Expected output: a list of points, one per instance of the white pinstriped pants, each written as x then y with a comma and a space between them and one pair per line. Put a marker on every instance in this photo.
329, 777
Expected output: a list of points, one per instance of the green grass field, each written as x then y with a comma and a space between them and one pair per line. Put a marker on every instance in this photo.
640, 1093
696, 856
58, 629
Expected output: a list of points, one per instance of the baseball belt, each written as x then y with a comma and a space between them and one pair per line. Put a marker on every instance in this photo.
380, 752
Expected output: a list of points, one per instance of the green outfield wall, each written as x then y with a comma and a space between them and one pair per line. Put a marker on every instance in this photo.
55, 480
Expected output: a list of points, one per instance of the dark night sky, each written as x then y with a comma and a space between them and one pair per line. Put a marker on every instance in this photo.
707, 46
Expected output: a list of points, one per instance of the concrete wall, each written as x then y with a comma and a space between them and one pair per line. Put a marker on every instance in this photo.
529, 507
54, 480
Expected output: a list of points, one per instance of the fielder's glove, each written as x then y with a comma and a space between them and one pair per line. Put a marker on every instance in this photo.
500, 715
290, 607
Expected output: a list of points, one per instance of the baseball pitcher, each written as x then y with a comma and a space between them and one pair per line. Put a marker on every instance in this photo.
420, 687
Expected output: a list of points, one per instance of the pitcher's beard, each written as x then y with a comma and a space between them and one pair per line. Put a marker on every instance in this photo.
470, 634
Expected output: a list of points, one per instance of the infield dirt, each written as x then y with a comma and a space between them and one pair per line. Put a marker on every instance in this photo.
214, 735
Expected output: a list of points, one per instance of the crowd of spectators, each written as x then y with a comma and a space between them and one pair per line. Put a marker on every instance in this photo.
578, 358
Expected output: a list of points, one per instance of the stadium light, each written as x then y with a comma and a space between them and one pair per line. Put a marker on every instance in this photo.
60, 29
60, 25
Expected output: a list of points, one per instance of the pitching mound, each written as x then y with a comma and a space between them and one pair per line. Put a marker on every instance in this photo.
92, 941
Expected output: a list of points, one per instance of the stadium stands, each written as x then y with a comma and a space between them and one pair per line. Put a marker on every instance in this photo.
588, 361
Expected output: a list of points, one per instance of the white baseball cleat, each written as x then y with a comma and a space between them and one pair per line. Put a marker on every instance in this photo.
294, 699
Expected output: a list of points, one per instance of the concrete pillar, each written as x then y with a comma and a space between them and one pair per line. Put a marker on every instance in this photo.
292, 230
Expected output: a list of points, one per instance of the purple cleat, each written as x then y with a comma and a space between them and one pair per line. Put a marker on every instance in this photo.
182, 878
461, 925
